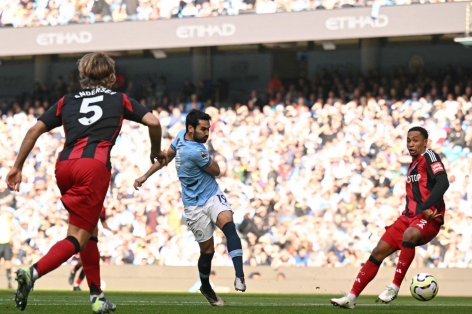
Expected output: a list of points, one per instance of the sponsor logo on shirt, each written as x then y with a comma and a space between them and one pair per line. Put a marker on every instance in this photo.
204, 155
437, 167
413, 178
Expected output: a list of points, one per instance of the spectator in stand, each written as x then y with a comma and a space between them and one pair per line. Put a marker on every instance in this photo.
292, 170
42, 13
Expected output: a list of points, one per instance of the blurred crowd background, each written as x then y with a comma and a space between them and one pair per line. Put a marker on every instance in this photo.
33, 13
314, 169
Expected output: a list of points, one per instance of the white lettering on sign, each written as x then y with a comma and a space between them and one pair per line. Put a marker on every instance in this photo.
355, 22
50, 39
193, 31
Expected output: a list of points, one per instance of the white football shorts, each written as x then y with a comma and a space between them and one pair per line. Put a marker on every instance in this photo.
202, 219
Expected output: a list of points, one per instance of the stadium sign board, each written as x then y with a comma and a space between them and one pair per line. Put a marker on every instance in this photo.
408, 20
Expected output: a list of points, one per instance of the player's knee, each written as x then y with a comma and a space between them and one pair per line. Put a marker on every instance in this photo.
379, 253
78, 246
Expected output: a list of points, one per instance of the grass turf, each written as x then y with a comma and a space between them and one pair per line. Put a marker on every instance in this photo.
156, 303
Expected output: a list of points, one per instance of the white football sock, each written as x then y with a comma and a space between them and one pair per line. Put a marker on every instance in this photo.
352, 297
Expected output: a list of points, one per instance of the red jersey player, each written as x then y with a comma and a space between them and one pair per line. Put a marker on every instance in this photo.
426, 183
92, 121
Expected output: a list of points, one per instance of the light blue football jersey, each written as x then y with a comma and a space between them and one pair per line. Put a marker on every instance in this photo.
191, 159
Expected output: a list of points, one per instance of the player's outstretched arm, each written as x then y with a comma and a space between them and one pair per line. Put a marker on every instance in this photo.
155, 135
170, 154
14, 176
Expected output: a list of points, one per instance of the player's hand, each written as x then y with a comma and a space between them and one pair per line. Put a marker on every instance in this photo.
14, 179
161, 157
430, 214
139, 182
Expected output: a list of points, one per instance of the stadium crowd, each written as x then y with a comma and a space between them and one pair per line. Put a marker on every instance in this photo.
314, 173
29, 13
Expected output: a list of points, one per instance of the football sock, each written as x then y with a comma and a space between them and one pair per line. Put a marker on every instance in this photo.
9, 275
91, 263
81, 277
57, 255
76, 268
234, 247
366, 274
407, 255
204, 268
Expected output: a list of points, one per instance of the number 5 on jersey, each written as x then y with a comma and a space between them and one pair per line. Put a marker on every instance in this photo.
86, 108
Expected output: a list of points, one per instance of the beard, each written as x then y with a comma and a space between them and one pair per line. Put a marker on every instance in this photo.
199, 139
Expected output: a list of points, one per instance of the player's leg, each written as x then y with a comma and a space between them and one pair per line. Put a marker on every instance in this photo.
389, 243
90, 257
233, 242
203, 229
366, 274
8, 273
207, 250
79, 281
55, 257
222, 216
419, 232
7, 257
74, 271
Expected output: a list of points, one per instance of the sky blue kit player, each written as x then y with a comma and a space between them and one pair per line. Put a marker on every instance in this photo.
191, 158
205, 205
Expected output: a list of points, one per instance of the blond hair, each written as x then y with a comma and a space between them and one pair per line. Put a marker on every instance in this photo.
96, 69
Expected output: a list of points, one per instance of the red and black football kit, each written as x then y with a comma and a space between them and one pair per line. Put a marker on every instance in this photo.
426, 183
92, 120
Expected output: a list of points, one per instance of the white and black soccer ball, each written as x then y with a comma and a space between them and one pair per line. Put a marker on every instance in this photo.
424, 287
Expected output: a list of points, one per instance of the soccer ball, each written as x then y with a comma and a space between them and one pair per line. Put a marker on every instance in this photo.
424, 287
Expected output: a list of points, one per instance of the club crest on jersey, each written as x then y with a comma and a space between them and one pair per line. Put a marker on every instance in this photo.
413, 178
204, 155
437, 167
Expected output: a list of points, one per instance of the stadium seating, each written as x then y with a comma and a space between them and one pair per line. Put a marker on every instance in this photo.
28, 13
314, 174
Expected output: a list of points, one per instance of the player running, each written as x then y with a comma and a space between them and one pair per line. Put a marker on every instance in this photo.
426, 183
79, 264
92, 121
205, 205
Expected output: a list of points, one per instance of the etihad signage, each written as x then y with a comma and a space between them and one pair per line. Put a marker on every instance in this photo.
61, 38
200, 31
356, 22
318, 25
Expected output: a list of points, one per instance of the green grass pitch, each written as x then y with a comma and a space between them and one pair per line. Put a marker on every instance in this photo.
51, 302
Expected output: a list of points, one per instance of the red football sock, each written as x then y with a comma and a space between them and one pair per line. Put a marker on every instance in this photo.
78, 281
406, 258
366, 274
57, 255
91, 259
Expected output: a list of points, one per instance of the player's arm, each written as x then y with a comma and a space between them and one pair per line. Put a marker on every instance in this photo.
170, 154
14, 176
136, 112
436, 171
155, 135
201, 158
213, 168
